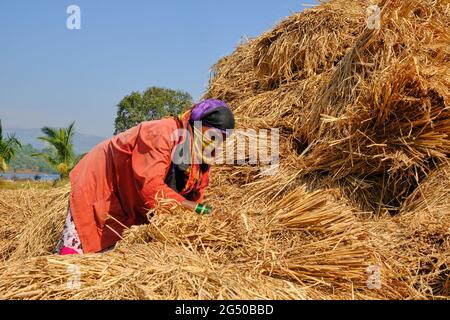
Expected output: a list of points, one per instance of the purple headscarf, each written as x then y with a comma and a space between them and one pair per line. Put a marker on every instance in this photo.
214, 113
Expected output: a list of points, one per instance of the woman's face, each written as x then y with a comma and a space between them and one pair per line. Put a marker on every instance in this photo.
213, 136
214, 131
212, 139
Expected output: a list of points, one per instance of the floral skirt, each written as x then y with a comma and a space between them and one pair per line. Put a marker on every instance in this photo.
70, 241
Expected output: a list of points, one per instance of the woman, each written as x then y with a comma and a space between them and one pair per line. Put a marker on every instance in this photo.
114, 186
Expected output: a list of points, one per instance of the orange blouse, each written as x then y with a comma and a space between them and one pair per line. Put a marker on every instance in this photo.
121, 178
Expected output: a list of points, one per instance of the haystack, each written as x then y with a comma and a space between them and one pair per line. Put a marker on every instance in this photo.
356, 104
314, 250
31, 221
364, 125
416, 243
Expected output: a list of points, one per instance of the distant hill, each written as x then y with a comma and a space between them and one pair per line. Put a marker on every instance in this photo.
82, 142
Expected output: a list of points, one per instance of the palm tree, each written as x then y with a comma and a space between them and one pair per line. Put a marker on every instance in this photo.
64, 158
8, 147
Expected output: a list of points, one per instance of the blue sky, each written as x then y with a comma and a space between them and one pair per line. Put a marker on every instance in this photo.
50, 75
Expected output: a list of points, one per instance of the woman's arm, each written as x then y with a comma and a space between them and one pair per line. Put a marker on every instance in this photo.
150, 161
203, 209
203, 186
189, 205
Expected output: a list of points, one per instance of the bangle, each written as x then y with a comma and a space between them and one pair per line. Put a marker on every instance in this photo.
203, 209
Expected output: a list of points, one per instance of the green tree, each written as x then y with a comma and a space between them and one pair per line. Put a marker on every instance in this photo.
8, 148
24, 160
63, 159
155, 103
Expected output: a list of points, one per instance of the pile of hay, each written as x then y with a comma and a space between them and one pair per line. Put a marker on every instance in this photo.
416, 242
367, 109
314, 250
365, 133
31, 221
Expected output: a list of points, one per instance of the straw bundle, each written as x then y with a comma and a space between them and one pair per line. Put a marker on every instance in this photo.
182, 256
151, 271
426, 214
364, 125
389, 99
321, 233
31, 221
307, 44
415, 245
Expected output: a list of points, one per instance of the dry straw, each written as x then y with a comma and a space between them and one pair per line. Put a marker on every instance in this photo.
365, 134
355, 103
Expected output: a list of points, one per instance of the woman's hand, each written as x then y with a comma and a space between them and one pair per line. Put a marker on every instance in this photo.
189, 205
193, 206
